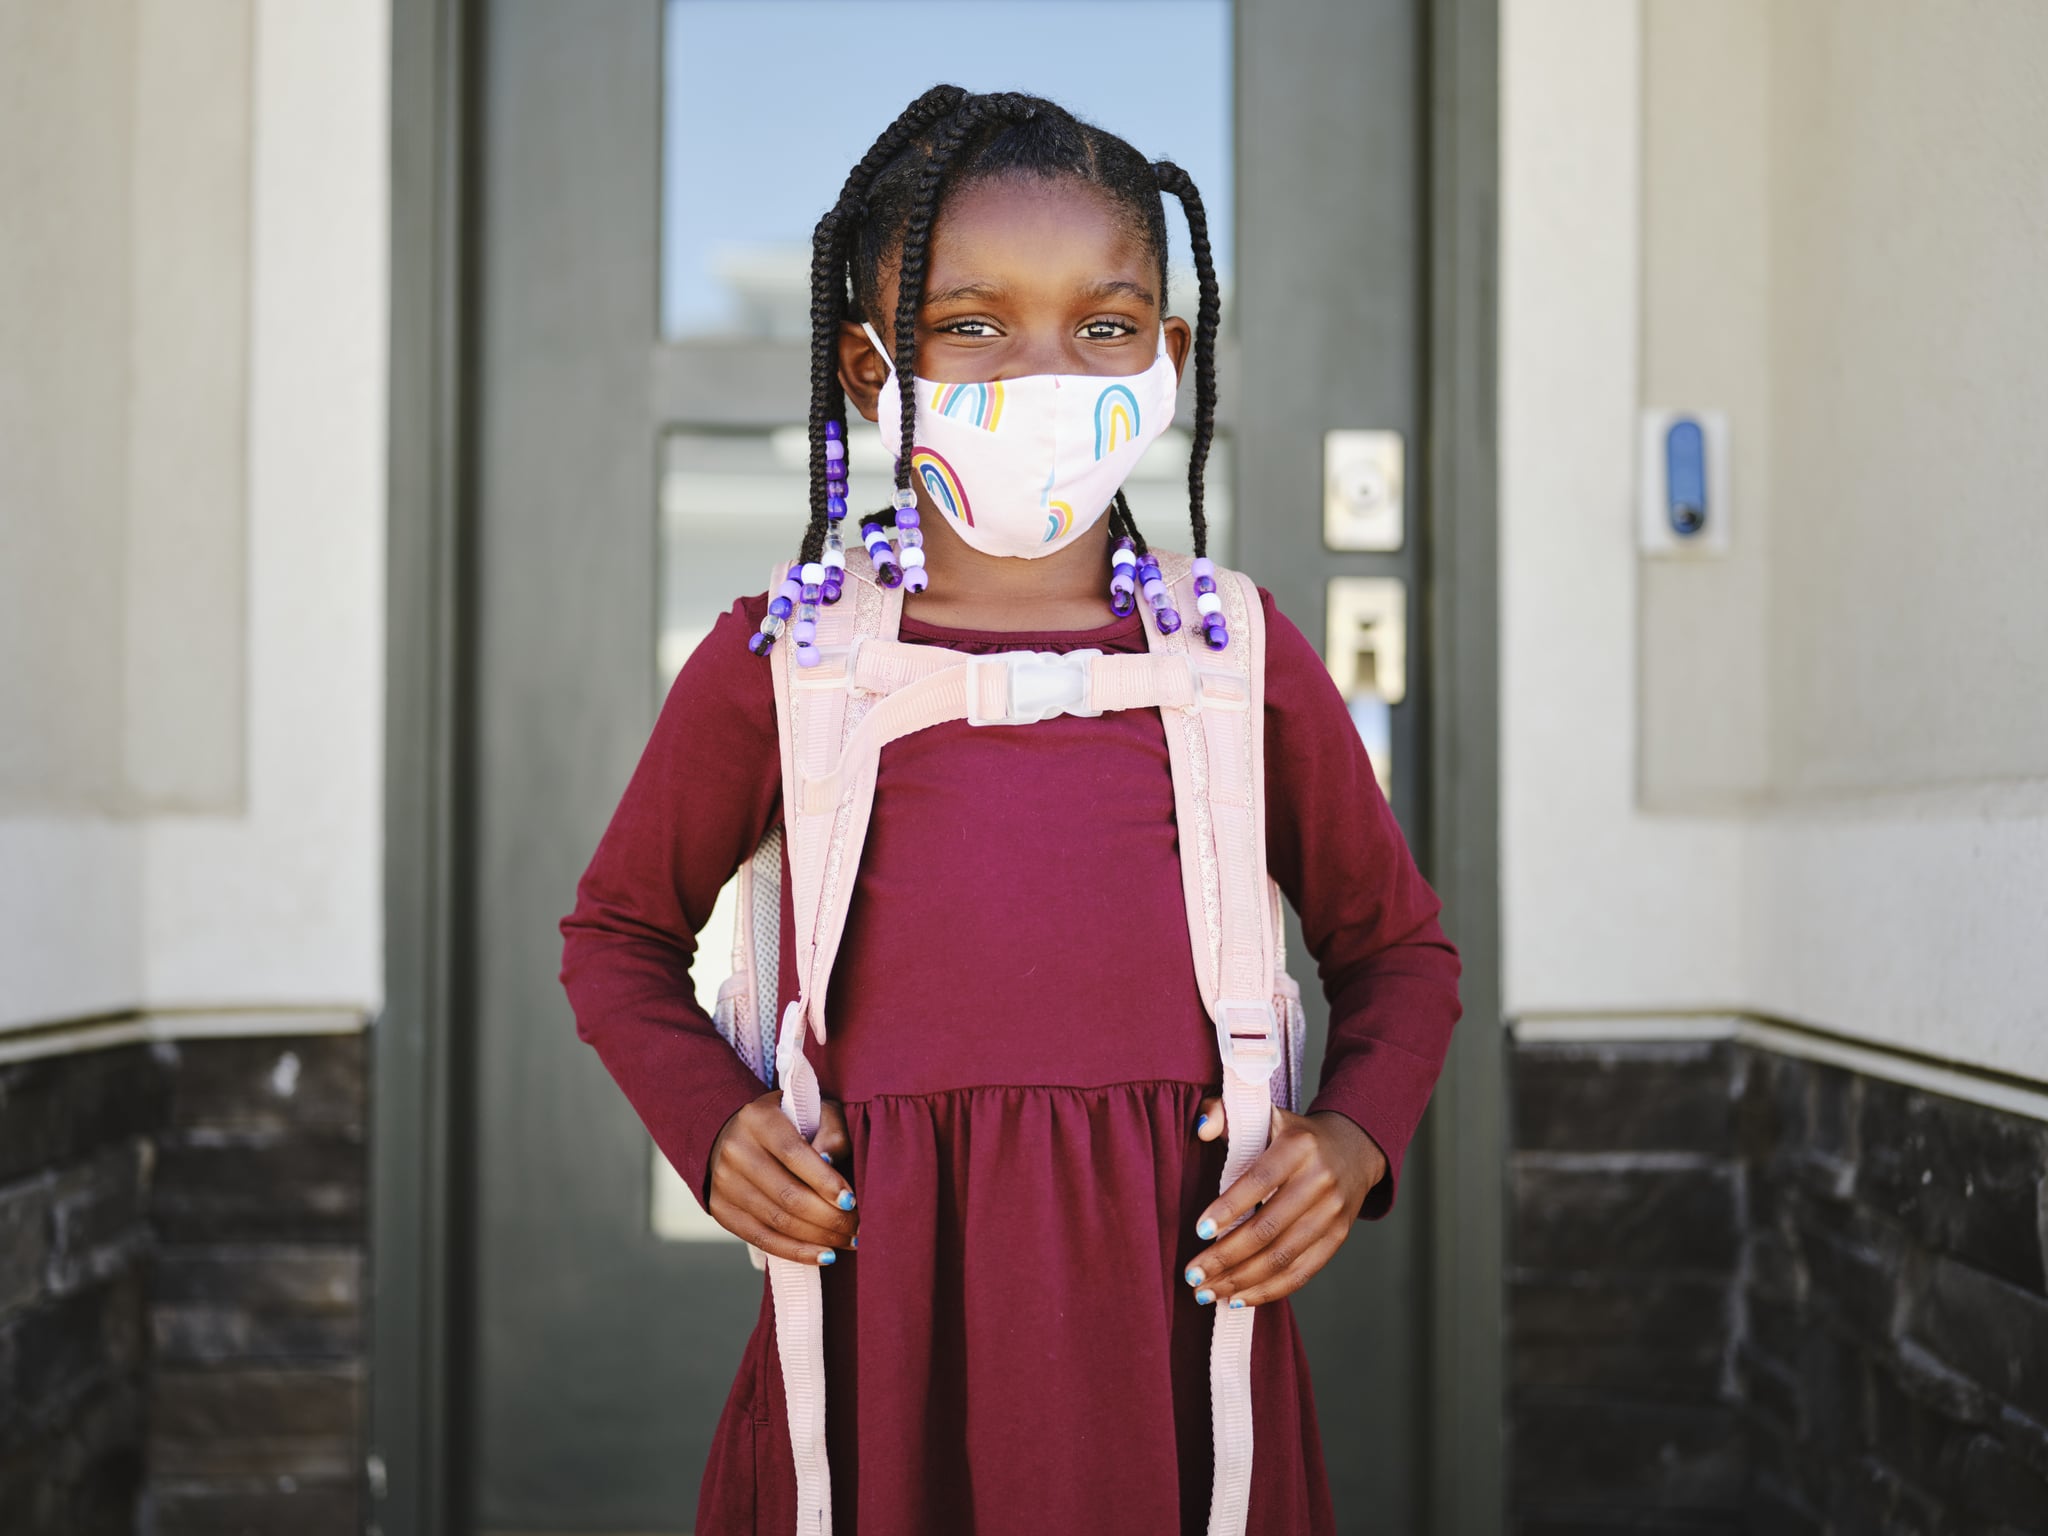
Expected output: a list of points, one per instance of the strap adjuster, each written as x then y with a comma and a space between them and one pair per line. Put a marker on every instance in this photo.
1248, 1036
1036, 685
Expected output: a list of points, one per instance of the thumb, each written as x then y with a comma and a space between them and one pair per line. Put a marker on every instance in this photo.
832, 1139
1209, 1123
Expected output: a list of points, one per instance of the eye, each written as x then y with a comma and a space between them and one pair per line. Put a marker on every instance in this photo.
974, 328
1107, 329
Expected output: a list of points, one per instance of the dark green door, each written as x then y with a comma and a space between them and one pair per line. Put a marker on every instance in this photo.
638, 378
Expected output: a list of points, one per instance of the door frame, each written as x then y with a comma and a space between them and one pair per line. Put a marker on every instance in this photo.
421, 1118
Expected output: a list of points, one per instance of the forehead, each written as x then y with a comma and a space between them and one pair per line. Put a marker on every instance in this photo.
1044, 233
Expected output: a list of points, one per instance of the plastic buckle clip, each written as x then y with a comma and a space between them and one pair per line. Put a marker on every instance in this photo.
1248, 1035
1041, 684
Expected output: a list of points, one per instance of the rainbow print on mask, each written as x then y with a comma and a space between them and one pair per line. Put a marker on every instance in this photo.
942, 485
1116, 419
979, 405
1059, 519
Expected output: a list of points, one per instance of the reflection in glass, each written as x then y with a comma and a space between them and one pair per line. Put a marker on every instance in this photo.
767, 103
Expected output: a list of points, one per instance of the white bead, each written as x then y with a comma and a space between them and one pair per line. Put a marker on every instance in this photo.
911, 555
835, 559
813, 574
1209, 602
1123, 557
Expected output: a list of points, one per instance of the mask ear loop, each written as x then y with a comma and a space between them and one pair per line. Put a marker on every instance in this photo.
876, 342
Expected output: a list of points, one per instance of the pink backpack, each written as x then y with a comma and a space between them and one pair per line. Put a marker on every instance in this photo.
833, 719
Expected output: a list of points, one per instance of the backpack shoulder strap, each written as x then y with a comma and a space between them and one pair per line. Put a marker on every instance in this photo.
1218, 755
816, 707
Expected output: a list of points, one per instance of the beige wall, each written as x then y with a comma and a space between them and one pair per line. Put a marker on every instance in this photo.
1845, 210
192, 390
124, 306
1809, 780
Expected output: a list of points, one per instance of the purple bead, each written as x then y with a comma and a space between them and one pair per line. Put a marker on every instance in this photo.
1202, 565
1121, 602
805, 630
832, 431
1168, 620
1125, 541
1217, 638
779, 607
758, 643
915, 580
791, 588
888, 575
835, 507
1155, 590
835, 451
1205, 583
906, 517
1122, 583
811, 594
806, 655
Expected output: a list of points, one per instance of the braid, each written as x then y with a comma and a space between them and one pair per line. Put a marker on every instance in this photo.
828, 286
1119, 508
1177, 181
917, 234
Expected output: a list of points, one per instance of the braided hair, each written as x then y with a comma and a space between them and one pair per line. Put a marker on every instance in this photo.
946, 139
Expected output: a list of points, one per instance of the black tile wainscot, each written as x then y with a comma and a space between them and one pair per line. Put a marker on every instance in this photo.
181, 1288
1748, 1291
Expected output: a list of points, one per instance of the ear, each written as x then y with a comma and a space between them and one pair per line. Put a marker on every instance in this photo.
1180, 337
862, 370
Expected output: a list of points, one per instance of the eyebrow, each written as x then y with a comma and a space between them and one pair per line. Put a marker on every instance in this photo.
964, 291
1121, 288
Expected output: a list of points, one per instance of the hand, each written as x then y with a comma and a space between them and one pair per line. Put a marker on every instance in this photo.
775, 1190
1303, 1191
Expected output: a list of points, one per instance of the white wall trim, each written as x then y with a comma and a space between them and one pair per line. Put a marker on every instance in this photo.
177, 1024
1956, 1082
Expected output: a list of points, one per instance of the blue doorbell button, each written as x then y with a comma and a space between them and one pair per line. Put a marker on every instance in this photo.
1685, 476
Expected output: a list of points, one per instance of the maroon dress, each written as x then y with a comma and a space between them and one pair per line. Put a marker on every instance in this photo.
1017, 1039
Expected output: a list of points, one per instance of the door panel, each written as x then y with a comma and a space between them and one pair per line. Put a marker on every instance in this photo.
634, 473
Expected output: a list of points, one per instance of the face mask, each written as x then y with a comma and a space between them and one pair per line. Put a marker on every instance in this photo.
1024, 467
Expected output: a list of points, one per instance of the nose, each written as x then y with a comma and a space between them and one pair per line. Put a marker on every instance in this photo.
1035, 353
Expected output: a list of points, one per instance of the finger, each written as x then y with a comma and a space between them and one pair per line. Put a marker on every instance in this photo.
768, 1240
757, 1205
1266, 1174
832, 1141
1209, 1119
1297, 1198
768, 1170
801, 1158
1290, 1277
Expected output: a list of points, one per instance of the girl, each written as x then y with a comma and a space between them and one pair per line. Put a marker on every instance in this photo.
1022, 1137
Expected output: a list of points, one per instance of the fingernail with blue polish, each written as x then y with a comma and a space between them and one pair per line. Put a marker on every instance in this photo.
856, 1241
1204, 1297
1205, 1229
826, 1256
1204, 1120
824, 1154
846, 1199
1237, 1301
1195, 1275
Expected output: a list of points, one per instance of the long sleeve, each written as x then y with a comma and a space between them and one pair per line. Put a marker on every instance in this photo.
1367, 914
707, 787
